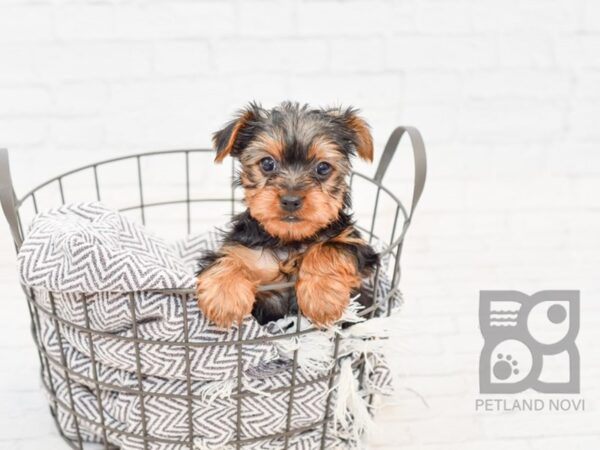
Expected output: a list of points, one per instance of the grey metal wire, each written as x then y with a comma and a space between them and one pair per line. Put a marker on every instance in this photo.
48, 363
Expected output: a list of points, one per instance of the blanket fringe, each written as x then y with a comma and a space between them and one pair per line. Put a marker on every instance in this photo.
351, 412
351, 312
315, 350
217, 389
366, 339
223, 389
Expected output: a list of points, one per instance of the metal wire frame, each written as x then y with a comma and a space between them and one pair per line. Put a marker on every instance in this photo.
392, 244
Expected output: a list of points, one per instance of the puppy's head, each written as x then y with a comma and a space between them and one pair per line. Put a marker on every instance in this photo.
295, 163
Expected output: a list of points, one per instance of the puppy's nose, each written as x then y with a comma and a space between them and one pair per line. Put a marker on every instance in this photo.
291, 203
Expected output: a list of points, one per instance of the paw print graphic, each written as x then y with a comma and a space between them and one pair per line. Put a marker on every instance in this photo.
505, 367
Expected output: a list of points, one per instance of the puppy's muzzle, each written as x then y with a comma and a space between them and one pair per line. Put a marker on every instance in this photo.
291, 203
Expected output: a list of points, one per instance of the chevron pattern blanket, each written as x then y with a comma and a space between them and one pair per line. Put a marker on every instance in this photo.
92, 268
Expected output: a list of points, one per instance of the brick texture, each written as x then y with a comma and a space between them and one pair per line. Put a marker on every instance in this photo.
507, 95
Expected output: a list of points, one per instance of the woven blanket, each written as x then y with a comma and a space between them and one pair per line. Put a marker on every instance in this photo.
90, 267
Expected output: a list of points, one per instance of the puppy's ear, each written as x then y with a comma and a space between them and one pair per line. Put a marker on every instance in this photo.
361, 132
231, 139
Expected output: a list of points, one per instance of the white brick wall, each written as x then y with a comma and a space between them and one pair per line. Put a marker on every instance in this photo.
507, 95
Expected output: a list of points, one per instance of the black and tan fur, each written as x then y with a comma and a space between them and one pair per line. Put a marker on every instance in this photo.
297, 225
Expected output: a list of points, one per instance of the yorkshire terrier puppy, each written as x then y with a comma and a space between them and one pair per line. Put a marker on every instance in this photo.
295, 163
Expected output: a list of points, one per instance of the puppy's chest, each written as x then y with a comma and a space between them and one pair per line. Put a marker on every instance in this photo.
276, 265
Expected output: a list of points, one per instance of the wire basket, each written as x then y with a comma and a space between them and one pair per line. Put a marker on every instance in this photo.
187, 204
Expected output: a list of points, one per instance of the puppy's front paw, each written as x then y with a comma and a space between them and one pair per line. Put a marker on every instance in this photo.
225, 293
325, 280
321, 300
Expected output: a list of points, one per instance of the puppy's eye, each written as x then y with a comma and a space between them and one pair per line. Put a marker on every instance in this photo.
323, 168
268, 164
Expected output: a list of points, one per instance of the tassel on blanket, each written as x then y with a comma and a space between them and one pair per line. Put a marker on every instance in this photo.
377, 327
315, 350
351, 412
367, 340
217, 389
351, 312
365, 337
224, 389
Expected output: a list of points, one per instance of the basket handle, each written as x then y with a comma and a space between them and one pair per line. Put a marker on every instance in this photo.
8, 199
418, 147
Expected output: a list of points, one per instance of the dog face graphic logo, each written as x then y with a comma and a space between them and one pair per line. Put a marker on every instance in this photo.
529, 342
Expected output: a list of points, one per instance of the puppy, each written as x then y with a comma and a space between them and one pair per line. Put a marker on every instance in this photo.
295, 163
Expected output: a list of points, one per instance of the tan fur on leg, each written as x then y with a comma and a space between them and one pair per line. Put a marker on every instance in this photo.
226, 290
326, 277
